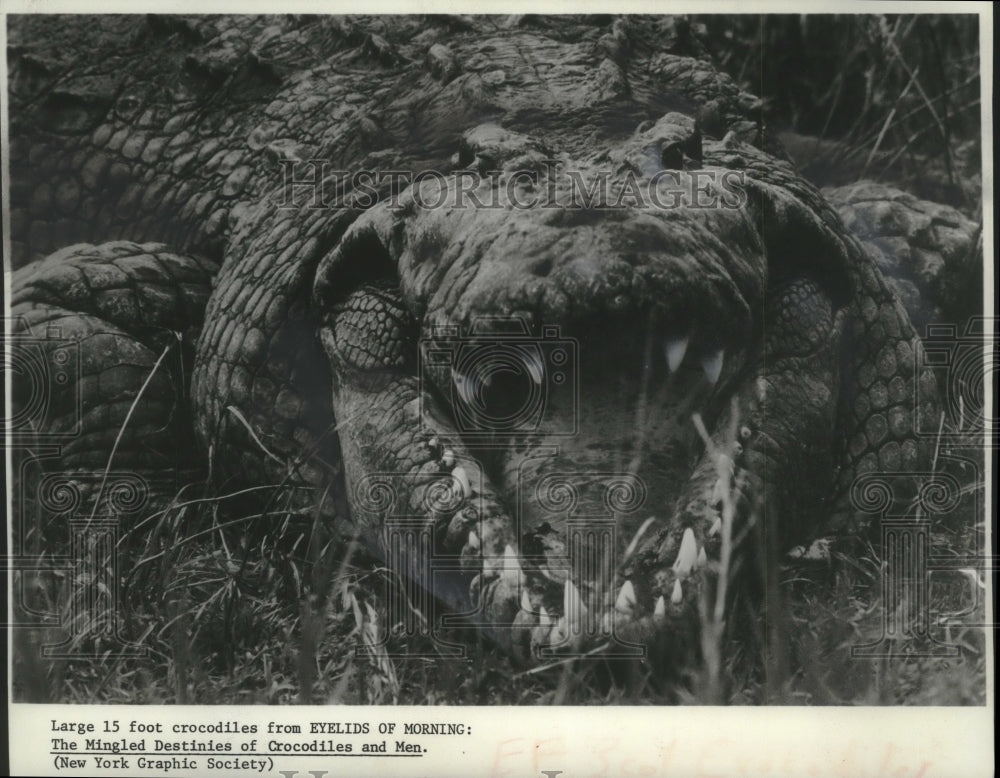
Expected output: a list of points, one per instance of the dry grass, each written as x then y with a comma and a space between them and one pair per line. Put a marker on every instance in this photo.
226, 613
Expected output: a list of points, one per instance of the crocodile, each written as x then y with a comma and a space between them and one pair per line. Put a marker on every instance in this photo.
360, 259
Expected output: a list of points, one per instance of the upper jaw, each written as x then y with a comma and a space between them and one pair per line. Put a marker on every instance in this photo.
703, 268
704, 273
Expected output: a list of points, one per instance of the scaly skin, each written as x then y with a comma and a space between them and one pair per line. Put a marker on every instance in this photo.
786, 341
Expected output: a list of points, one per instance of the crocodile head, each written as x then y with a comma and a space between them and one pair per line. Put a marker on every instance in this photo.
609, 344
593, 370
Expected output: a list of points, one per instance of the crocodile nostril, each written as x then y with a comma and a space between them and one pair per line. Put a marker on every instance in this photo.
672, 157
542, 267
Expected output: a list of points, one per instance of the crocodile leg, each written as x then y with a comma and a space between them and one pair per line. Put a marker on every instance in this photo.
890, 397
128, 313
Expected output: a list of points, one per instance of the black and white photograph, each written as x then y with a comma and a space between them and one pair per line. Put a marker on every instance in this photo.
467, 360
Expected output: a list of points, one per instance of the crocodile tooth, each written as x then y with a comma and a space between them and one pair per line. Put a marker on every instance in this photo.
544, 619
448, 457
712, 365
573, 607
433, 442
525, 601
462, 477
660, 611
702, 557
677, 594
688, 554
474, 540
511, 568
626, 597
716, 526
675, 348
638, 535
607, 623
718, 492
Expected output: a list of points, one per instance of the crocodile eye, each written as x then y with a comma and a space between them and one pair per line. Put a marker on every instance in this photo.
127, 106
497, 387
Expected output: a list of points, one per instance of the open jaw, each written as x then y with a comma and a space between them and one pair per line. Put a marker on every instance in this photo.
576, 415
